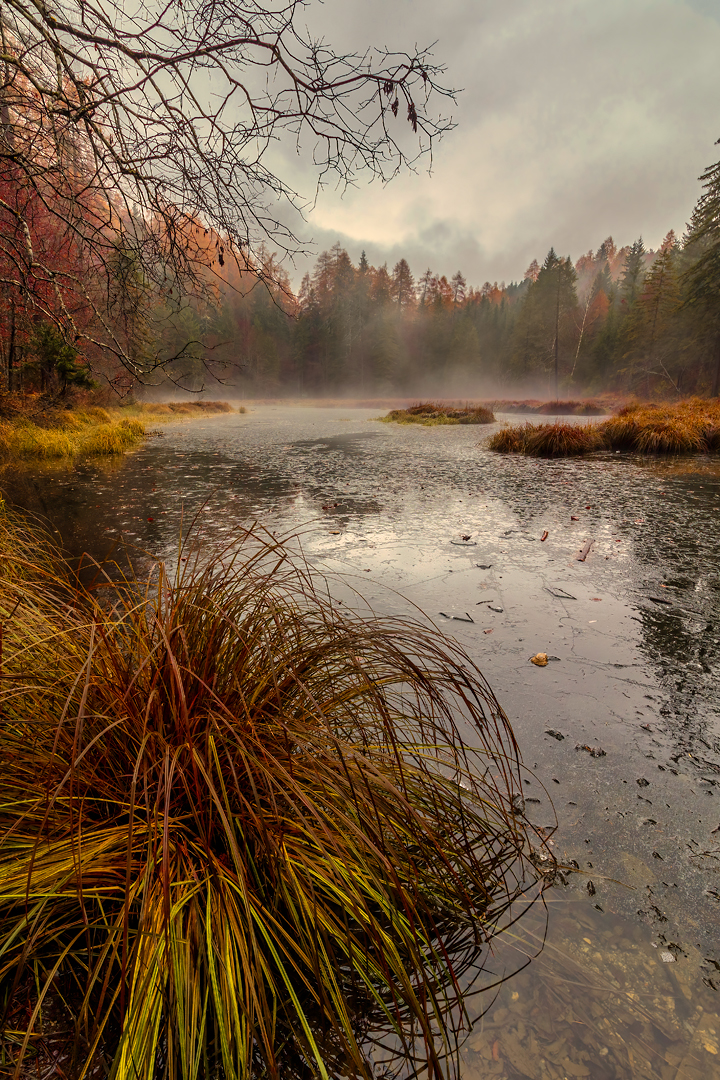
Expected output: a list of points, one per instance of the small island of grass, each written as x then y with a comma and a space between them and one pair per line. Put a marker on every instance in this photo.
430, 413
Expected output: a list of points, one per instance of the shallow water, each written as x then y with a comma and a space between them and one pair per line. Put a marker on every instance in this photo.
625, 986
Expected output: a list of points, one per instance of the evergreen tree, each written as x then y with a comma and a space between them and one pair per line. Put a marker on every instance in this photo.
58, 364
633, 272
361, 319
546, 326
654, 344
701, 279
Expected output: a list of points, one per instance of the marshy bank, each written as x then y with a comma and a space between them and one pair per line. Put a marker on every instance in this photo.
685, 427
218, 788
35, 429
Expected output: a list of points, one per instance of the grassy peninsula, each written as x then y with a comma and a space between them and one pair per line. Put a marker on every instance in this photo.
36, 429
683, 427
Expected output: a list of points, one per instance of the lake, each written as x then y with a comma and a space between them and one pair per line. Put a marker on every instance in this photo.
624, 979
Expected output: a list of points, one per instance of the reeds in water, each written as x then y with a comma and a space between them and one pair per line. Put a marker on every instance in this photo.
183, 408
238, 829
547, 440
687, 427
30, 433
73, 435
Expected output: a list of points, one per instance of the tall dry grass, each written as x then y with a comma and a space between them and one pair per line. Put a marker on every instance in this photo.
89, 433
29, 431
181, 408
686, 427
238, 830
547, 440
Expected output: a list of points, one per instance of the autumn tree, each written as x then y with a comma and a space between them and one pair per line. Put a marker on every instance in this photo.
458, 284
157, 122
424, 287
403, 285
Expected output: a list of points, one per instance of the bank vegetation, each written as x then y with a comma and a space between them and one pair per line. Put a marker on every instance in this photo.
687, 427
35, 428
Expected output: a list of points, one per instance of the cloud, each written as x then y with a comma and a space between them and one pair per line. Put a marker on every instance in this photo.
577, 120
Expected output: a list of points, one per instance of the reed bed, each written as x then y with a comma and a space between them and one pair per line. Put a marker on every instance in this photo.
686, 427
182, 408
431, 413
238, 830
570, 408
33, 430
547, 440
76, 435
551, 408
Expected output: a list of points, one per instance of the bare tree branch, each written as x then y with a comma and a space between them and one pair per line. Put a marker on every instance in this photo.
145, 130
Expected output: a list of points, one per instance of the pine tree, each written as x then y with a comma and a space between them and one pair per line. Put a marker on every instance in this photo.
701, 279
656, 347
545, 324
403, 285
633, 272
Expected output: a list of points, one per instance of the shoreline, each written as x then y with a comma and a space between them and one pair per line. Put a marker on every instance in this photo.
33, 431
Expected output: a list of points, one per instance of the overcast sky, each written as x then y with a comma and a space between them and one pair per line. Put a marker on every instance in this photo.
578, 119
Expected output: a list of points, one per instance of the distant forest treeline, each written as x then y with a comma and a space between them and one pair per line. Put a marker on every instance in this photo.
624, 319
627, 320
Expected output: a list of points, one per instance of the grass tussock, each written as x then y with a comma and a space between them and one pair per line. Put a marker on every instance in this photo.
432, 413
562, 440
238, 829
509, 439
686, 427
547, 440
